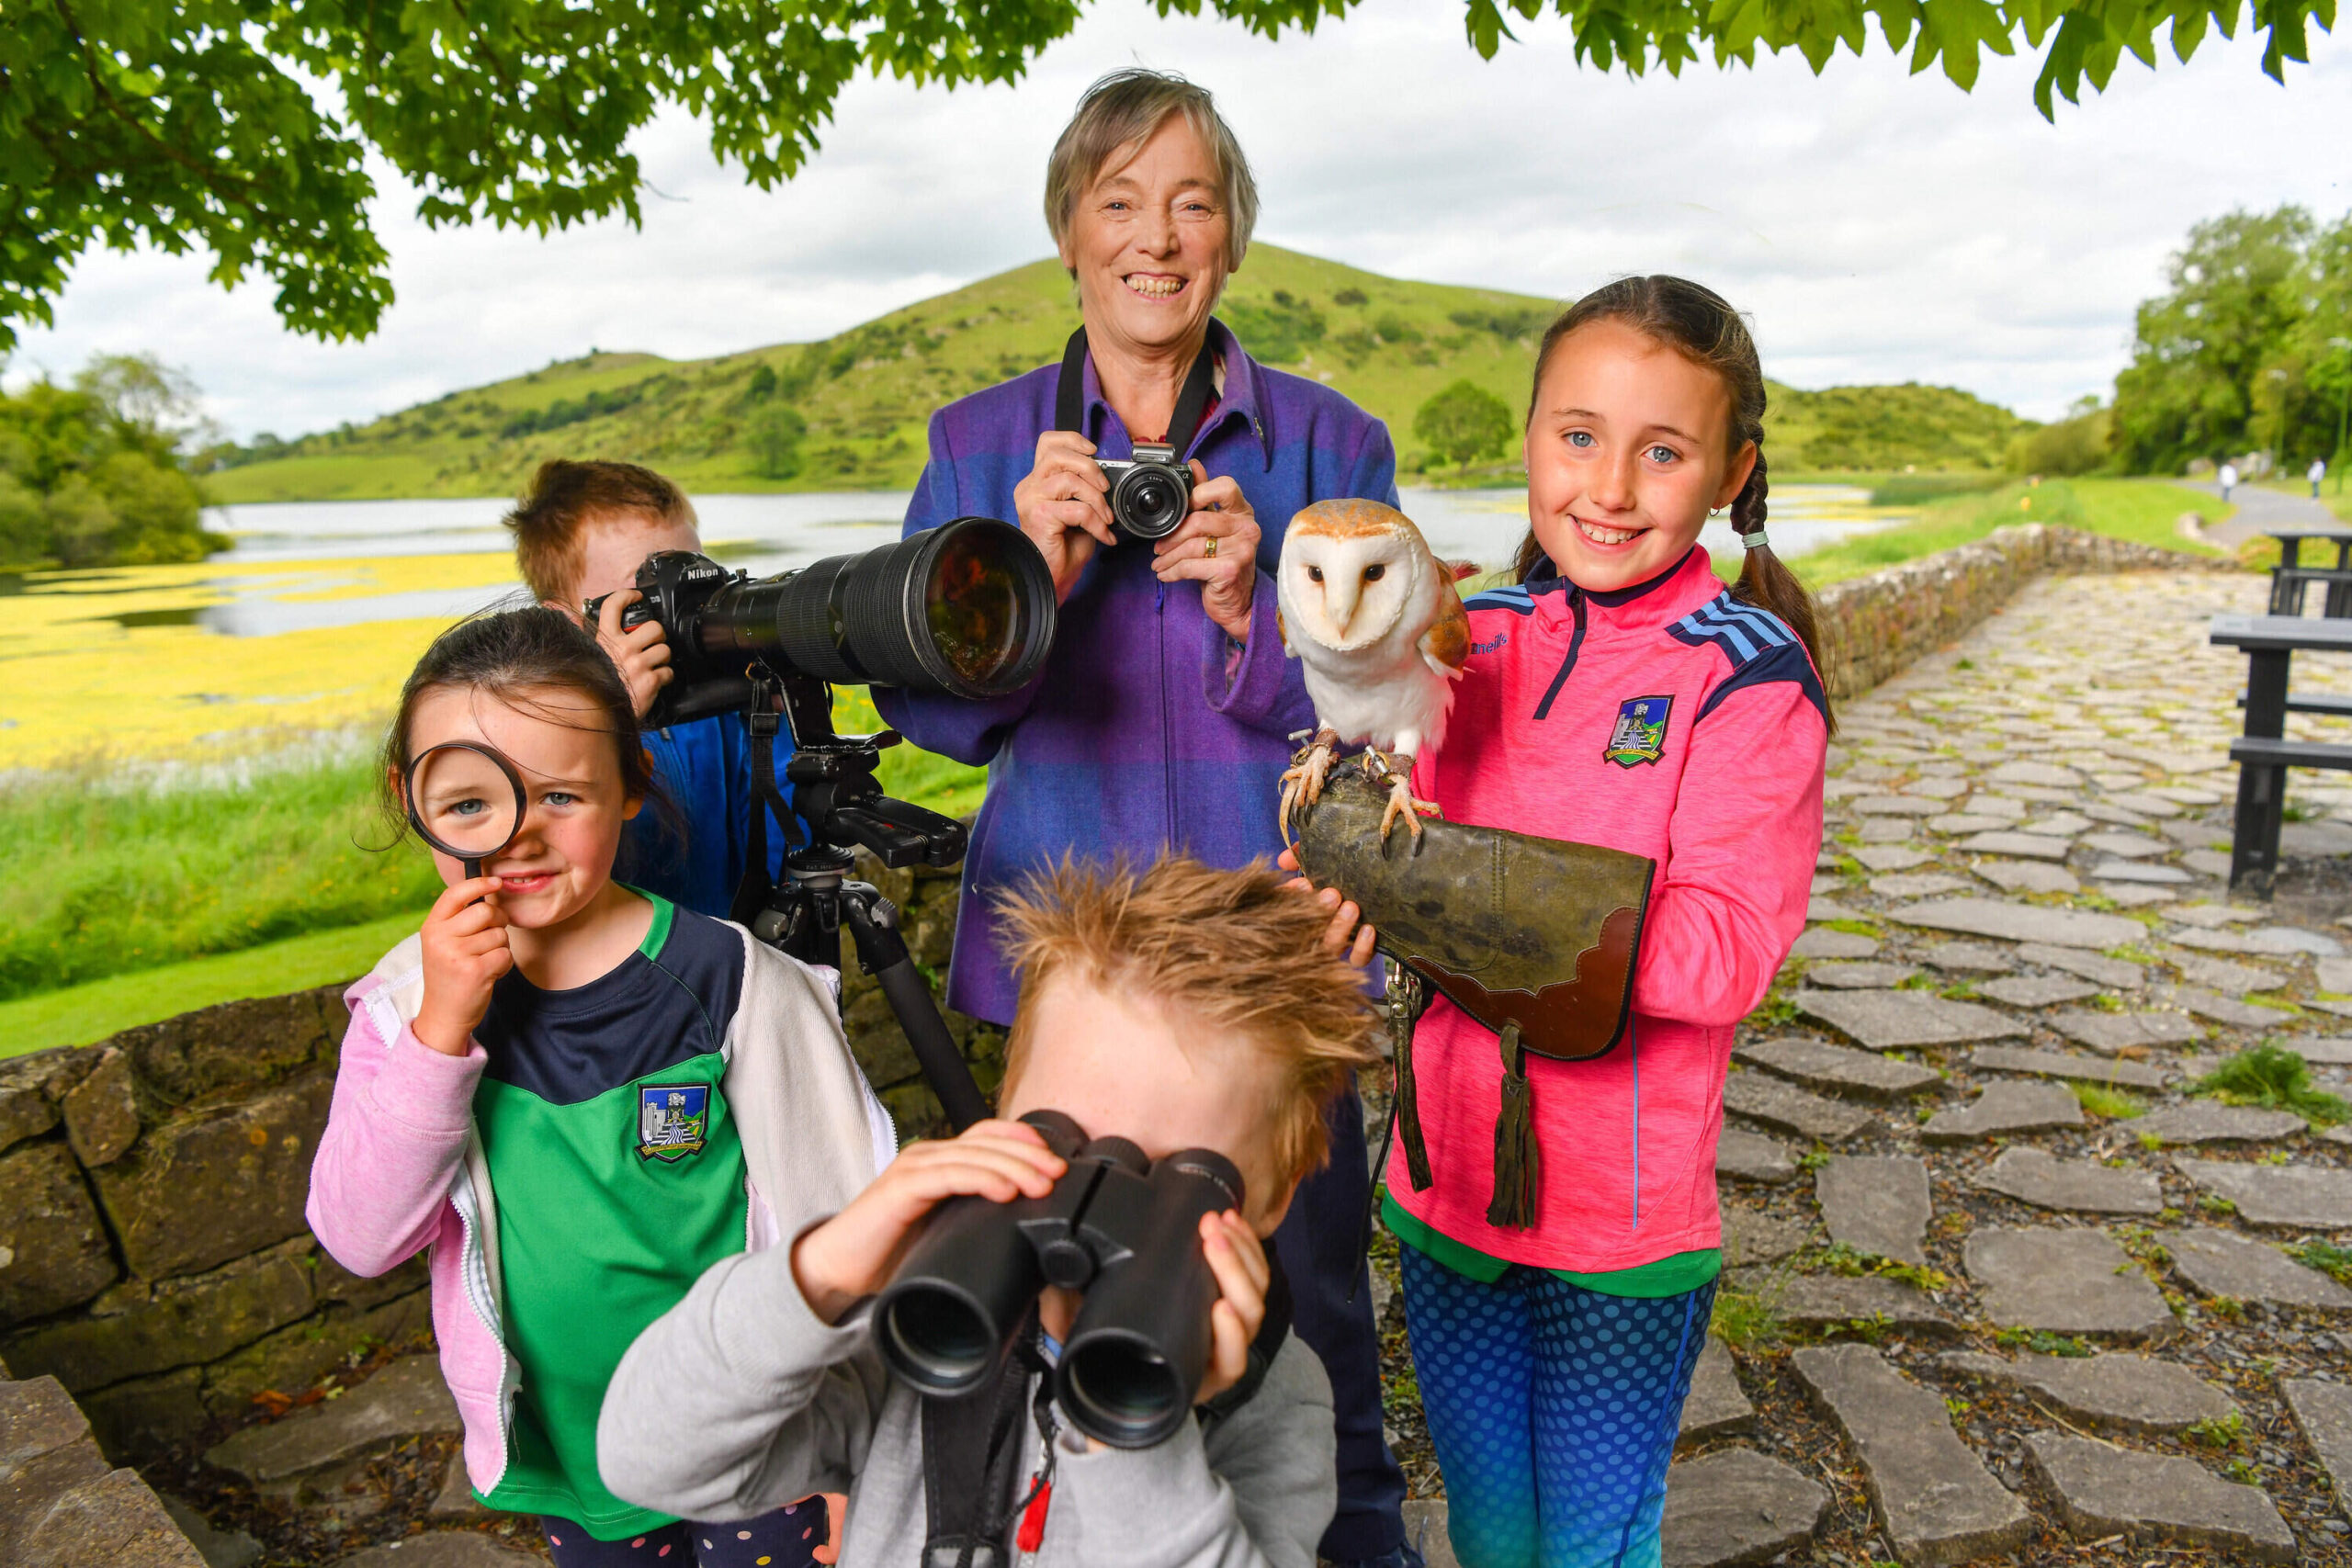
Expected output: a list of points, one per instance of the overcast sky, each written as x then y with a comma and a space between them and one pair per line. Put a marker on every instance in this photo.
1878, 227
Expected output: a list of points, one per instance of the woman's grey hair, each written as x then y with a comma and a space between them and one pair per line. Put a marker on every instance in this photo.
1118, 114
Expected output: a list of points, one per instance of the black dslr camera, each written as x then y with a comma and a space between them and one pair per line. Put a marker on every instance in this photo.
1151, 494
1122, 1228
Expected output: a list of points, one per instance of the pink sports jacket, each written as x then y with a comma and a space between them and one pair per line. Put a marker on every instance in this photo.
1671, 720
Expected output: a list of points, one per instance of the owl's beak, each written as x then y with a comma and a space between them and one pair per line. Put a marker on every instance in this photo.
1340, 593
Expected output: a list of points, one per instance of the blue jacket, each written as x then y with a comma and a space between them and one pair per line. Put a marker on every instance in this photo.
695, 860
1148, 727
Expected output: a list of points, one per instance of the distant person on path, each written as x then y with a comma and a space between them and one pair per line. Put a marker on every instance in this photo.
2316, 472
2229, 478
1162, 718
1618, 695
576, 1095
581, 532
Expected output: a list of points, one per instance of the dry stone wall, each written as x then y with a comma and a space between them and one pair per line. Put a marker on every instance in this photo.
153, 1257
1873, 627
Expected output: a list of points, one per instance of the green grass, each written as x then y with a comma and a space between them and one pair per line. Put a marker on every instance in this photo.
2275, 1079
2142, 511
2102, 1100
80, 1014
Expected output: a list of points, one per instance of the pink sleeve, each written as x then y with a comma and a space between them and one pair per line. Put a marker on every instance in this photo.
396, 1134
1747, 830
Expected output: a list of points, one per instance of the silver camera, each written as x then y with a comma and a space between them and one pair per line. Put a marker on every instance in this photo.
1151, 494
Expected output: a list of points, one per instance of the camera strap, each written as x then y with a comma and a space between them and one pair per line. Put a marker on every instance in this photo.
761, 725
971, 1454
1192, 402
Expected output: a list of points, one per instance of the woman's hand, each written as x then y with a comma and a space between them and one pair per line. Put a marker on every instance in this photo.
1343, 935
465, 953
641, 653
1064, 506
853, 1255
1218, 546
1237, 1258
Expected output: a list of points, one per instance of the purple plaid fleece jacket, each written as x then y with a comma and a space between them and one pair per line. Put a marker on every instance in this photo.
1146, 727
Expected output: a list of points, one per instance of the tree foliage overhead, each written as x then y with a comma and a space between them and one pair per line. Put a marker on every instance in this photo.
241, 127
2249, 348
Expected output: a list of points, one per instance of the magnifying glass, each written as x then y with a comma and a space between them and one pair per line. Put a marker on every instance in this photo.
466, 800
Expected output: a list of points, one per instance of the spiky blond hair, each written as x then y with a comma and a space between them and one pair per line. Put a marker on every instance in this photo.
1240, 955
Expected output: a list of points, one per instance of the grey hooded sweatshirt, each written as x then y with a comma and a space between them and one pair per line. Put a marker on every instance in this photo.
738, 1401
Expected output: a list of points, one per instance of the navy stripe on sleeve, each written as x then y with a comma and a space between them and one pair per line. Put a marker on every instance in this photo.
1758, 645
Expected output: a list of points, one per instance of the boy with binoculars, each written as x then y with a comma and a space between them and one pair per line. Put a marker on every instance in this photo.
1196, 1022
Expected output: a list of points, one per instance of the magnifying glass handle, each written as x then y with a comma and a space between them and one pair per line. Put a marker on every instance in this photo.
473, 868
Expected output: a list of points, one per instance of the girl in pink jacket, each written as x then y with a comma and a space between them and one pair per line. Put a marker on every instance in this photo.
1618, 695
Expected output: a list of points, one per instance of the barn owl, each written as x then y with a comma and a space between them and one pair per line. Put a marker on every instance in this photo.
1375, 620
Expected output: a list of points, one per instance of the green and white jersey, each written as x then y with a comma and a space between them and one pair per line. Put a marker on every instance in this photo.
617, 1170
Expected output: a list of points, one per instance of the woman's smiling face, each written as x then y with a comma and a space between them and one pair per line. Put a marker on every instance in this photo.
1627, 451
1146, 243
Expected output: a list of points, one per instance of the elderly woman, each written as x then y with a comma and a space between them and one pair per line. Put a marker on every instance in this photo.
1163, 716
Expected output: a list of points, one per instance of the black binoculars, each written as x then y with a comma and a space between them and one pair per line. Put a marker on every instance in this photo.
1119, 1226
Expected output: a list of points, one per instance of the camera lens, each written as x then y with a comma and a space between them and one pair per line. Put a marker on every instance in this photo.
1150, 502
967, 607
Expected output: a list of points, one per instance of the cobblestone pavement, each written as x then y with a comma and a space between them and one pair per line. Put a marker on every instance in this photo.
2001, 1285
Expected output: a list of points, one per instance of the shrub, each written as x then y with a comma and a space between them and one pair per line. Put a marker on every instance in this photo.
1465, 423
2275, 1079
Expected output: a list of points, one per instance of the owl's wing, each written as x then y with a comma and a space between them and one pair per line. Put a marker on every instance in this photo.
1282, 631
1446, 645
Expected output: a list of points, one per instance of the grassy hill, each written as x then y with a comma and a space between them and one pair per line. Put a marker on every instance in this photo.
867, 393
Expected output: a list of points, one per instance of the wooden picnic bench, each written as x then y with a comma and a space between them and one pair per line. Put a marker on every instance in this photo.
2263, 753
2290, 578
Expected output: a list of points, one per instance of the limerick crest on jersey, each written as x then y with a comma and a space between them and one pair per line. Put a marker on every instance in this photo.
673, 1119
1639, 735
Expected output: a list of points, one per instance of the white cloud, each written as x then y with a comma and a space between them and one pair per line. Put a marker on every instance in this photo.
1879, 227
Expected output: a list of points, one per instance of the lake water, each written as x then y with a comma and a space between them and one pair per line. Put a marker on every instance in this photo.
764, 533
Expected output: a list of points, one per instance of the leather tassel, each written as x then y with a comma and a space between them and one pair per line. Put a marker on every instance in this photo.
1515, 1162
1407, 1000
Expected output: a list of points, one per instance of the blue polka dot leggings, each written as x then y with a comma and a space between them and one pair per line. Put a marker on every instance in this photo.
1554, 1410
785, 1539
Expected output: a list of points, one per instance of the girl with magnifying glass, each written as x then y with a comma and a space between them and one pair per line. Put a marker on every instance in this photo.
577, 1095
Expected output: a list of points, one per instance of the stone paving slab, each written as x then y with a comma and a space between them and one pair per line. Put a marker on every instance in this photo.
2103, 1491
2070, 1280
1954, 822
1886, 1021
2039, 1177
1918, 885
2219, 1008
2120, 1032
2142, 872
2036, 990
2064, 1065
2278, 941
1837, 1069
1751, 1156
1858, 976
1968, 958
1750, 1238
406, 1399
2322, 1412
2020, 922
2293, 1197
1785, 1107
2026, 876
2115, 1390
2028, 846
1894, 805
2220, 974
2048, 776
2206, 1121
1887, 857
1935, 1499
2125, 846
1716, 1407
2059, 824
1833, 1301
1820, 908
1736, 1506
2322, 1050
1822, 942
2223, 1263
2006, 1106
2115, 973
1876, 1204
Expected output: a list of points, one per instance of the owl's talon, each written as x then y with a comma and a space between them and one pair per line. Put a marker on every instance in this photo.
1303, 780
1402, 803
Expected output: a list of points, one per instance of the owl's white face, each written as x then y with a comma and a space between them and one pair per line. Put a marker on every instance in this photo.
1349, 591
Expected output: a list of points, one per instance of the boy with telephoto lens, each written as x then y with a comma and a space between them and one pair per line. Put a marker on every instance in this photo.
581, 532
1182, 1008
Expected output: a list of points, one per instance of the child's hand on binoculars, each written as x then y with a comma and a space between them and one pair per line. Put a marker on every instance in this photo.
641, 653
465, 953
1237, 1258
1344, 935
853, 1255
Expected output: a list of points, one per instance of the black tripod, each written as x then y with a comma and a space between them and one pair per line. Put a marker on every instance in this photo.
836, 801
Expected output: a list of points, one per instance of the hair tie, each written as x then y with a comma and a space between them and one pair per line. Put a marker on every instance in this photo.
1754, 539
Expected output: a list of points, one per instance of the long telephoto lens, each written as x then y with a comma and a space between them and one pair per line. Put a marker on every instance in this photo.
966, 608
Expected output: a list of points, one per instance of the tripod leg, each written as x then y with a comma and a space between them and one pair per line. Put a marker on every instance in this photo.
884, 953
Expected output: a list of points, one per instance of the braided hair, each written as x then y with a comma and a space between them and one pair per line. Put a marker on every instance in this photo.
1697, 323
